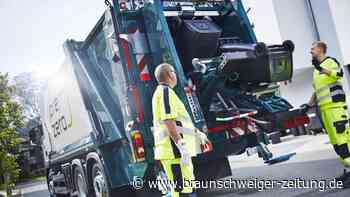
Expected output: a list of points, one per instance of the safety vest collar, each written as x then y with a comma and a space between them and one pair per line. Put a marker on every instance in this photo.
326, 58
164, 84
332, 58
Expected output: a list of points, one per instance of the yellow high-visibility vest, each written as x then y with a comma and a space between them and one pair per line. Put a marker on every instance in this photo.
329, 90
167, 105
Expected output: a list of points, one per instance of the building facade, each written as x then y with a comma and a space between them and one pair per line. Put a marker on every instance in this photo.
303, 22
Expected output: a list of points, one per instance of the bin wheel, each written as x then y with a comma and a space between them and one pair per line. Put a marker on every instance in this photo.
289, 45
261, 49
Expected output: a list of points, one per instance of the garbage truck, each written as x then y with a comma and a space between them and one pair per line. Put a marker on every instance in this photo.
96, 110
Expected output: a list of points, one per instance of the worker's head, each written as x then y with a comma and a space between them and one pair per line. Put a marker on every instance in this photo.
165, 74
318, 49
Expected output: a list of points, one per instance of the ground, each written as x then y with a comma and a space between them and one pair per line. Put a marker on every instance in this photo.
314, 160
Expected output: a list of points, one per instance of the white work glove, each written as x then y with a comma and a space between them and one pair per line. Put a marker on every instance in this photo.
185, 155
202, 137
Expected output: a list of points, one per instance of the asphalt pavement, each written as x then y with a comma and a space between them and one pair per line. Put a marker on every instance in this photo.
32, 189
314, 166
309, 173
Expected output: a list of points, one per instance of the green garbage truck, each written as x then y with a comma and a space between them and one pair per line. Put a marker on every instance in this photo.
96, 110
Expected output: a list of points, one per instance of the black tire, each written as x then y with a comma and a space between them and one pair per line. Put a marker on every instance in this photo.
99, 182
80, 183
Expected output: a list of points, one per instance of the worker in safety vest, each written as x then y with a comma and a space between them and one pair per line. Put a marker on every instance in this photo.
330, 97
175, 137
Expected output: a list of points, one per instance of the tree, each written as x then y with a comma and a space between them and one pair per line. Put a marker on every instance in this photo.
27, 94
11, 120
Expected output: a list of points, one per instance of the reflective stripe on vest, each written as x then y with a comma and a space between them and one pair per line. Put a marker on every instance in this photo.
163, 134
334, 93
326, 87
164, 145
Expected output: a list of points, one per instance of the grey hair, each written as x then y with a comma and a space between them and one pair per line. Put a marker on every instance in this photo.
161, 72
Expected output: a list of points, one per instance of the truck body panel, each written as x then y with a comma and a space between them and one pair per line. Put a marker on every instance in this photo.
64, 116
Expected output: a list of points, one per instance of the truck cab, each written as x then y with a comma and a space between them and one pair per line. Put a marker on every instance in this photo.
96, 111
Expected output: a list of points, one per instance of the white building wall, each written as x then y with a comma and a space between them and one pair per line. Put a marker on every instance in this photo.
264, 18
331, 17
295, 24
278, 20
340, 10
300, 90
326, 27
